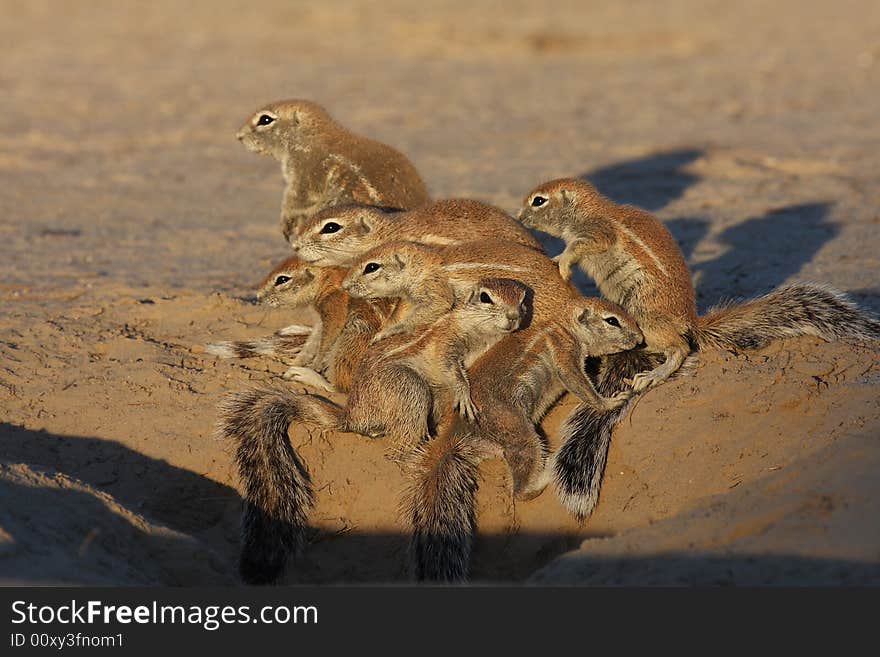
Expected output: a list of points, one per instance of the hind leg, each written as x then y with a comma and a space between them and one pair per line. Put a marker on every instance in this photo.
391, 401
522, 448
662, 338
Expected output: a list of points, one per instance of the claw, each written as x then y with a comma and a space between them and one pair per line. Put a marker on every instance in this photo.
466, 409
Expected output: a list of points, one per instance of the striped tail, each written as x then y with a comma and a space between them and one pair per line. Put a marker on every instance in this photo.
790, 311
277, 486
440, 506
283, 345
579, 463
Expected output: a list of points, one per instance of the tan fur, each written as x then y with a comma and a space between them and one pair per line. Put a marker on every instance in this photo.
512, 385
404, 270
436, 355
546, 356
357, 229
324, 164
631, 256
345, 327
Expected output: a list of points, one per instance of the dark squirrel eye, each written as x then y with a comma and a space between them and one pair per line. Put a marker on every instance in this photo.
265, 119
281, 280
538, 201
371, 267
485, 298
613, 321
330, 227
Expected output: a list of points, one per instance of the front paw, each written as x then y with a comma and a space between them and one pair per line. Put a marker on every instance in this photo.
564, 269
617, 400
466, 408
302, 359
294, 329
643, 381
308, 377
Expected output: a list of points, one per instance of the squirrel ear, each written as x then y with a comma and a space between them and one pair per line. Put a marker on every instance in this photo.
365, 224
309, 273
584, 316
399, 261
567, 197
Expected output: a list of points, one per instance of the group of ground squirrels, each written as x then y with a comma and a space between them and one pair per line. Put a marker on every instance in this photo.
453, 334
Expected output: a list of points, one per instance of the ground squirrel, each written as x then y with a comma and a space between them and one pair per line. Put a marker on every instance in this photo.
406, 271
333, 347
324, 164
393, 395
512, 385
635, 262
336, 235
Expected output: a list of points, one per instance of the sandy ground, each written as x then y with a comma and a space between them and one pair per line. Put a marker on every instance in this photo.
133, 227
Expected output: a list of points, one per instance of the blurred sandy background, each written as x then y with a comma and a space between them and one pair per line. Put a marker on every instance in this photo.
132, 224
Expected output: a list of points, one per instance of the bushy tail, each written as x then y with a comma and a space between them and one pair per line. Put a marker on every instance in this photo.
440, 506
792, 310
579, 463
283, 345
277, 487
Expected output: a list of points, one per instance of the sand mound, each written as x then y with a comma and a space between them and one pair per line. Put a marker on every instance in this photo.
132, 224
55, 530
757, 465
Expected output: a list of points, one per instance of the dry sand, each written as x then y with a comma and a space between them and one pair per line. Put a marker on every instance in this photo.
133, 226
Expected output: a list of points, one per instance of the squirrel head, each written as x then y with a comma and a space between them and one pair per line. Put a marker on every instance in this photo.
496, 306
293, 283
550, 206
603, 327
391, 269
277, 128
337, 235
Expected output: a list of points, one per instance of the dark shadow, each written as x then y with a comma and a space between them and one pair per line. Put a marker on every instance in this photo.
763, 252
688, 231
867, 298
70, 536
651, 182
682, 569
62, 533
175, 497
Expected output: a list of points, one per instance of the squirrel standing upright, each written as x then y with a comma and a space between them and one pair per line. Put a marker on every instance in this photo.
324, 164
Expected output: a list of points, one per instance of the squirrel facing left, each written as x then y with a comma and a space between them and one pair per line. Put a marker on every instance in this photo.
636, 263
325, 164
327, 354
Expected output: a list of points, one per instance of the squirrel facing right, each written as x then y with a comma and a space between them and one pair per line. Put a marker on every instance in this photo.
512, 385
